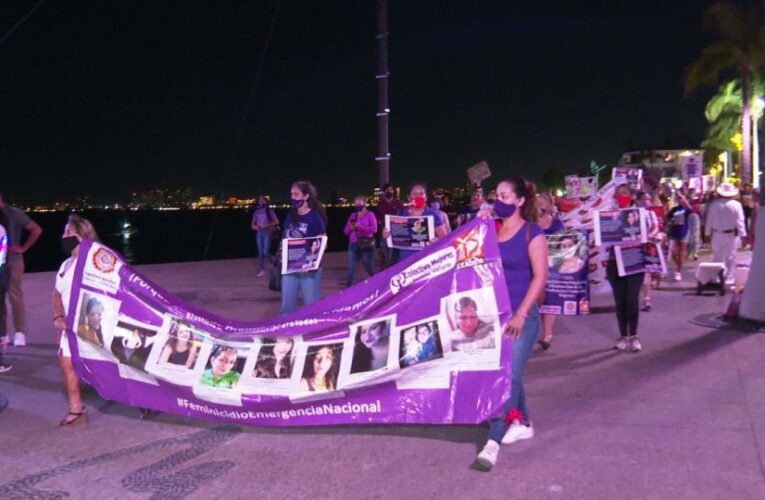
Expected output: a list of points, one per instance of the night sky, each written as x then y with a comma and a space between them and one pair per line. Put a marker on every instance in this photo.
103, 98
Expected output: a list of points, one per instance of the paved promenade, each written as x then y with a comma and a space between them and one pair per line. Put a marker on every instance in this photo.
684, 419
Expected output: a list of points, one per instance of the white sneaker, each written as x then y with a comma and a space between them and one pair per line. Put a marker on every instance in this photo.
621, 345
635, 345
5, 368
19, 339
260, 274
678, 277
488, 456
517, 432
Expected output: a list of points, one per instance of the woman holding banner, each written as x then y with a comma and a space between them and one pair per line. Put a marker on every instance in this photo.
76, 230
305, 219
523, 249
550, 224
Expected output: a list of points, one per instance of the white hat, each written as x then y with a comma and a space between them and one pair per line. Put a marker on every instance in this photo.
727, 190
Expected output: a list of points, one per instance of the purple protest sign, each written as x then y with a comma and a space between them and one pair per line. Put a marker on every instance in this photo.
398, 348
567, 290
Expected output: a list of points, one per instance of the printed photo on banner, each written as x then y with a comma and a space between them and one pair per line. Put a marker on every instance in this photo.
96, 317
420, 343
224, 367
616, 227
474, 332
567, 287
640, 258
271, 366
371, 352
300, 255
628, 175
180, 352
321, 367
472, 319
132, 342
409, 233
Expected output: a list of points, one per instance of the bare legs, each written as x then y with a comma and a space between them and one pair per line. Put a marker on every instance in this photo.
72, 388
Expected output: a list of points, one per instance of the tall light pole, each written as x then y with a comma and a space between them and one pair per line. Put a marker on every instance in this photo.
383, 110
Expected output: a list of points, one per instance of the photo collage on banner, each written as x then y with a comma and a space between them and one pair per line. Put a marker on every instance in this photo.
154, 339
567, 287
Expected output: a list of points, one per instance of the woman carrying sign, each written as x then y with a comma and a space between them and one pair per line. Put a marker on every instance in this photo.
626, 289
523, 249
360, 229
305, 219
418, 207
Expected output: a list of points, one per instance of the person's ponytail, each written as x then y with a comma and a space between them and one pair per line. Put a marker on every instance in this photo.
529, 209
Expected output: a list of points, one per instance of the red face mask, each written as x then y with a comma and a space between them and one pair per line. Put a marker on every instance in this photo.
419, 202
623, 200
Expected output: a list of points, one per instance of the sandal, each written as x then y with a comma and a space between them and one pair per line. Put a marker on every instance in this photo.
75, 414
545, 344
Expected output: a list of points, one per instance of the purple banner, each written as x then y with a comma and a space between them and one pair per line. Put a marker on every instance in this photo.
418, 343
568, 287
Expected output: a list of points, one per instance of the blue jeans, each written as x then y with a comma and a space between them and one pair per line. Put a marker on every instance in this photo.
309, 283
263, 240
521, 354
354, 255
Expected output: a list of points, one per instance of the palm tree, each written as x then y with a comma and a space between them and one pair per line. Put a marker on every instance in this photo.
738, 50
724, 113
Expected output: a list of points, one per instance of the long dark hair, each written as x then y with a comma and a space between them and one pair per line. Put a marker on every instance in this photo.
173, 340
307, 187
526, 190
362, 355
265, 366
331, 378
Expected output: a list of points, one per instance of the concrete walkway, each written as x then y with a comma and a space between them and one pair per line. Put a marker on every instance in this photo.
683, 419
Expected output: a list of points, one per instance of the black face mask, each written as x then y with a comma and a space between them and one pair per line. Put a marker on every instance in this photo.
69, 243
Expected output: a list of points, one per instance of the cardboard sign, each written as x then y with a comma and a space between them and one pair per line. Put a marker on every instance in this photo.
479, 173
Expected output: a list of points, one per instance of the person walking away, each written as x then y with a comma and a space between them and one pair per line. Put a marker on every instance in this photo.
360, 229
550, 223
725, 227
264, 220
747, 204
678, 231
305, 219
388, 204
626, 289
523, 251
18, 222
76, 230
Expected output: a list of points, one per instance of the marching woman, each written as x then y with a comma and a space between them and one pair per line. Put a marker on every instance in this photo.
550, 223
626, 289
76, 230
305, 219
523, 249
418, 207
360, 229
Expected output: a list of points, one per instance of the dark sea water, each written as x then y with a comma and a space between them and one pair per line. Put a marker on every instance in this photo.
167, 236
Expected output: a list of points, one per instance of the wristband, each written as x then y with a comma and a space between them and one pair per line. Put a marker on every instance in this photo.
524, 316
58, 316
